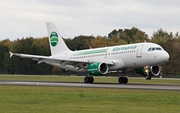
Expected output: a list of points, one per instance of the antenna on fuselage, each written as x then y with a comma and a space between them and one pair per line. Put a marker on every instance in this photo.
144, 41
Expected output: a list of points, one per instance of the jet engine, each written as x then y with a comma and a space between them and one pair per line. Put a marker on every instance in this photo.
97, 68
149, 71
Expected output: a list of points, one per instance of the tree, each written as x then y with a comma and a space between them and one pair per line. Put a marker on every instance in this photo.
160, 36
125, 37
3, 51
132, 35
79, 43
116, 41
173, 65
140, 37
98, 42
30, 46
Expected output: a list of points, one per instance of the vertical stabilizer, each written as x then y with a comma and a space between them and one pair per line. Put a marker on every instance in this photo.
56, 42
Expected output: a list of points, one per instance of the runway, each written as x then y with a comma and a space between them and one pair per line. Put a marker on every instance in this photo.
95, 85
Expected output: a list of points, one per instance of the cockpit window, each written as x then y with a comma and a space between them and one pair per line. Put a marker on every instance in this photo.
149, 49
155, 48
158, 48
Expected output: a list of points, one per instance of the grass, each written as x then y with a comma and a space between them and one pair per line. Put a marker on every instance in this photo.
46, 99
39, 99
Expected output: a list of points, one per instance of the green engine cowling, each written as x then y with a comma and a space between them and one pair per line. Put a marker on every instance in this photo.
97, 68
149, 70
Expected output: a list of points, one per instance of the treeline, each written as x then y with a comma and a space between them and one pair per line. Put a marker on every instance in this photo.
40, 46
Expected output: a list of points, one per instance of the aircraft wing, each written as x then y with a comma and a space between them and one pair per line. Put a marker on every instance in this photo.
41, 59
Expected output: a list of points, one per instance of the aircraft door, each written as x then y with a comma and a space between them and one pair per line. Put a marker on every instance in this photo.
139, 51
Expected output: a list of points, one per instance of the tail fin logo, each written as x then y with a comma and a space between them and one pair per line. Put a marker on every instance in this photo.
54, 39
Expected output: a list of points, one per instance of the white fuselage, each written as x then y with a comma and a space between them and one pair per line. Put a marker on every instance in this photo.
131, 56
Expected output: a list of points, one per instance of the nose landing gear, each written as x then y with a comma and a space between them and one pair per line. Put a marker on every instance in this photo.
148, 77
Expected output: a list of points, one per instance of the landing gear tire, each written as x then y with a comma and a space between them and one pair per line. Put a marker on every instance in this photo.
91, 79
123, 80
148, 77
120, 80
88, 79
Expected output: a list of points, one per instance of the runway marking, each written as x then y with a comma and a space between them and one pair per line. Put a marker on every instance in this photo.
98, 85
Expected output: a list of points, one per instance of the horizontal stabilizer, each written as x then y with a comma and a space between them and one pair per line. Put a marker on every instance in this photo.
11, 54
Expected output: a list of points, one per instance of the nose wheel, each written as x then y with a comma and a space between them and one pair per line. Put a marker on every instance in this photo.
123, 80
148, 77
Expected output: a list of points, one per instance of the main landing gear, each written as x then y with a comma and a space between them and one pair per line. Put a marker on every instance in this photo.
123, 80
88, 79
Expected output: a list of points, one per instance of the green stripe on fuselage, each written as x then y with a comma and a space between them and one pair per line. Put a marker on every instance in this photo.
90, 52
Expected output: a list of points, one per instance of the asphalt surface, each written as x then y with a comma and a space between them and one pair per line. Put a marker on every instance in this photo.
95, 85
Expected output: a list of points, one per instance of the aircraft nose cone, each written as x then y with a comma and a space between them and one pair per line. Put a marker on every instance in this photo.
163, 57
166, 56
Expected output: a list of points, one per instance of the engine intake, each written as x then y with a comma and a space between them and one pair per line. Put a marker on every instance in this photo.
97, 68
155, 70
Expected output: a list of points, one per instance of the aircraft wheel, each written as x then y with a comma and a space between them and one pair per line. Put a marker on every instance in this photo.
125, 80
91, 79
120, 80
86, 79
148, 77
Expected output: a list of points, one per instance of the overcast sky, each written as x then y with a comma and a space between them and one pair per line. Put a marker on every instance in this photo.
24, 18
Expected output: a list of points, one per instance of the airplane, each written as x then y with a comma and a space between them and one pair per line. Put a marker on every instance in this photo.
145, 58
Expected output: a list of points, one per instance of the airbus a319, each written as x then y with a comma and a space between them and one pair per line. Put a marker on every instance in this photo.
145, 58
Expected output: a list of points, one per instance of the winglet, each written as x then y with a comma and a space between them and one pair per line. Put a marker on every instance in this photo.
11, 54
